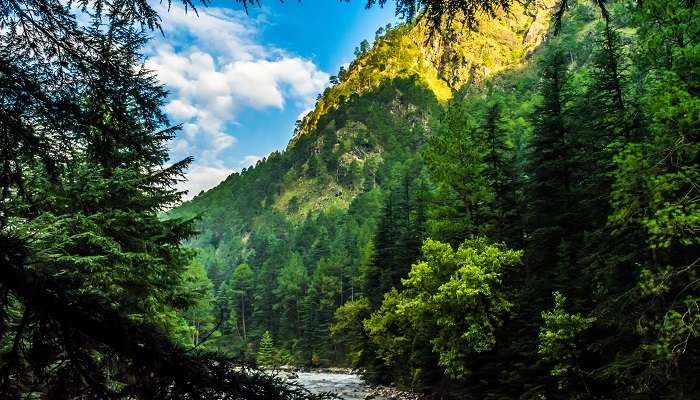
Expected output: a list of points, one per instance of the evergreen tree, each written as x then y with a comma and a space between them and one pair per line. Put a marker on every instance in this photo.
454, 159
291, 286
397, 241
604, 126
242, 281
552, 219
384, 250
266, 351
200, 315
500, 175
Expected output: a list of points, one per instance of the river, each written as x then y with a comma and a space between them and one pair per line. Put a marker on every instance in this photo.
346, 386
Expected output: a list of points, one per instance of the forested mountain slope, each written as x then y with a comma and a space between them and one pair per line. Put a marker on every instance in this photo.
438, 64
511, 213
300, 224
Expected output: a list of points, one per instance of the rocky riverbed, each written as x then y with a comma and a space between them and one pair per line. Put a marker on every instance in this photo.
348, 386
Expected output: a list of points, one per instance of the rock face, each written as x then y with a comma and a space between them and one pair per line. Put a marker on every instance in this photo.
390, 393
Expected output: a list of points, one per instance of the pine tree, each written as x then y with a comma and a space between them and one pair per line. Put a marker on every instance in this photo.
397, 241
550, 222
291, 286
374, 286
500, 175
310, 339
200, 315
242, 281
266, 351
603, 126
454, 159
552, 217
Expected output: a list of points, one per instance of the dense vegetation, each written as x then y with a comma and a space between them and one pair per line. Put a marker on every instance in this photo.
475, 214
524, 227
287, 242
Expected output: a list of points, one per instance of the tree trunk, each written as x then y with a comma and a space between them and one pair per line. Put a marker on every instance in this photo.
245, 337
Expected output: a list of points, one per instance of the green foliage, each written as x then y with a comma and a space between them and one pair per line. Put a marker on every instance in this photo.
314, 245
455, 159
98, 296
456, 294
266, 356
471, 161
559, 337
200, 315
654, 189
347, 326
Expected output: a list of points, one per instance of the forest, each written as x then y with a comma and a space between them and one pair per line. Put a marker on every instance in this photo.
494, 200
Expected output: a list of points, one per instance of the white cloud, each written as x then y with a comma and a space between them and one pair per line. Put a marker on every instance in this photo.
180, 109
202, 177
224, 31
213, 67
250, 160
303, 113
262, 82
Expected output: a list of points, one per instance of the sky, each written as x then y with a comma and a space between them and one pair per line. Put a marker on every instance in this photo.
237, 82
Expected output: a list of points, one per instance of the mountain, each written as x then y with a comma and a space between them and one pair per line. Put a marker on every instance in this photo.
406, 68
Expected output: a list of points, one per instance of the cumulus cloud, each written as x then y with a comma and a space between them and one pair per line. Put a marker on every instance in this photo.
202, 177
261, 83
250, 160
180, 109
303, 113
213, 67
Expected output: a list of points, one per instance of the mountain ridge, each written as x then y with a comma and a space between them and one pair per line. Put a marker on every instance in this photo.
442, 66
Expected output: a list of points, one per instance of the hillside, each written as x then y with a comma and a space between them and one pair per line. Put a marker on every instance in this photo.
436, 65
318, 203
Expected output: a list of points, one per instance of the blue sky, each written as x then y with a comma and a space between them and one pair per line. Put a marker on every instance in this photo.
238, 82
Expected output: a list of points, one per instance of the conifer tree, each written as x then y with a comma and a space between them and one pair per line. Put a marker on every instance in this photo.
550, 223
242, 281
290, 288
454, 159
500, 175
266, 351
552, 217
603, 125
397, 242
384, 250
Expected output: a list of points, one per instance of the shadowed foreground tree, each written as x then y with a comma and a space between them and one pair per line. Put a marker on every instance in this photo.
92, 279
